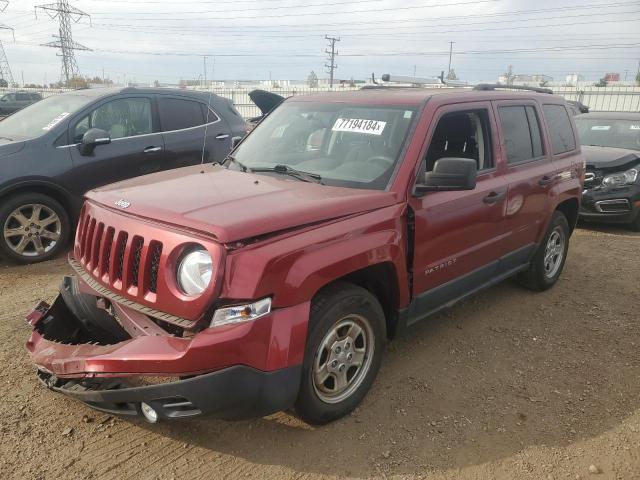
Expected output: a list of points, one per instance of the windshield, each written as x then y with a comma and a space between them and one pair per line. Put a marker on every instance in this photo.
609, 132
345, 144
39, 118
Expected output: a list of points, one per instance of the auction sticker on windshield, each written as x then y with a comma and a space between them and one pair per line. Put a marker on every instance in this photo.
359, 125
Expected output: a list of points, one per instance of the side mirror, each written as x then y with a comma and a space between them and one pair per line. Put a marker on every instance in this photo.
92, 138
449, 174
235, 141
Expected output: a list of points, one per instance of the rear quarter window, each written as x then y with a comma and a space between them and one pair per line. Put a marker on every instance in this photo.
178, 114
560, 130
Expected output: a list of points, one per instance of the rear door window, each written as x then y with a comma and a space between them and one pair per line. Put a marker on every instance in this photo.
178, 114
562, 139
521, 133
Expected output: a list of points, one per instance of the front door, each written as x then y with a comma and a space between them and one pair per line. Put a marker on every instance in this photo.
459, 235
136, 147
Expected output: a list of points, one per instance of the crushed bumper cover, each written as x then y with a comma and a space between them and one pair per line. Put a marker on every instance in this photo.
237, 371
232, 393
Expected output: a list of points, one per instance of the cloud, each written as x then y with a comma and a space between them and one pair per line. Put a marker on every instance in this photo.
161, 39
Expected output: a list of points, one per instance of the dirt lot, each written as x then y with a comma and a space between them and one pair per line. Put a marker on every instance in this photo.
510, 384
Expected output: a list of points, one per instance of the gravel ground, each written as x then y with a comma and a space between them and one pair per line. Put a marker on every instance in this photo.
509, 384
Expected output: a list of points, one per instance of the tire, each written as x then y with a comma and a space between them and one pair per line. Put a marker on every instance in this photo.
342, 309
635, 225
546, 266
33, 228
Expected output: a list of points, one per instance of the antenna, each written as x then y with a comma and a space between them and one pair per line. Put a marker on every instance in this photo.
66, 14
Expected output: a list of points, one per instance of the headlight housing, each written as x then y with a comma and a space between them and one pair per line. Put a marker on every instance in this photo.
195, 272
241, 313
622, 178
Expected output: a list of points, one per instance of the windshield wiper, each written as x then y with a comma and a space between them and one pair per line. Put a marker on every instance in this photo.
231, 158
7, 138
292, 172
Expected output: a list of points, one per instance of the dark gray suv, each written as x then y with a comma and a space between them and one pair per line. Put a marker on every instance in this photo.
14, 101
55, 150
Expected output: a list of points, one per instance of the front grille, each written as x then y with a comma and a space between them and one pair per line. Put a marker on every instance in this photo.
118, 259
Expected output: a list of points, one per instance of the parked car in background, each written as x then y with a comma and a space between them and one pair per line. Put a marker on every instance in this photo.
14, 101
52, 152
611, 144
274, 281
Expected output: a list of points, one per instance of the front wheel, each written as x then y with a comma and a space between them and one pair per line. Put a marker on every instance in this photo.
548, 262
35, 227
344, 351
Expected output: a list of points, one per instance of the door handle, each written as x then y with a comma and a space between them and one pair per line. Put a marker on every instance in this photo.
152, 149
222, 136
493, 197
545, 181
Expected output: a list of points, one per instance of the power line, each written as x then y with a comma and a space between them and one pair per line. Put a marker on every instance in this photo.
332, 52
5, 68
334, 12
65, 14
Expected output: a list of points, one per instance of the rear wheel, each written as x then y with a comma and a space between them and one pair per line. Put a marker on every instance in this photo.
344, 351
548, 262
35, 227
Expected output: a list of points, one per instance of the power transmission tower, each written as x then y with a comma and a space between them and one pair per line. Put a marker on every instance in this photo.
332, 52
66, 14
5, 69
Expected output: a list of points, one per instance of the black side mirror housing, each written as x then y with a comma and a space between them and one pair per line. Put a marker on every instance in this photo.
92, 138
449, 174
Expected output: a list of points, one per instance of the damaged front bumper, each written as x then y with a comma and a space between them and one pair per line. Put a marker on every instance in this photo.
611, 205
238, 371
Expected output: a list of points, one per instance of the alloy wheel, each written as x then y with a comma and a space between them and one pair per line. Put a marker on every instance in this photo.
32, 230
343, 359
554, 252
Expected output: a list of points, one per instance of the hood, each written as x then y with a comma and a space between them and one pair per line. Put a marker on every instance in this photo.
233, 205
609, 157
265, 101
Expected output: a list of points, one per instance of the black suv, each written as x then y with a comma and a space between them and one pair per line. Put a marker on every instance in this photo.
14, 101
53, 151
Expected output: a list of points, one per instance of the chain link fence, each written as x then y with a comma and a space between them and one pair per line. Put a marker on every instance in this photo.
606, 99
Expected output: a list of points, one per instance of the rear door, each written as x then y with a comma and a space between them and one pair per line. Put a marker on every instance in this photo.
136, 146
184, 122
459, 235
529, 171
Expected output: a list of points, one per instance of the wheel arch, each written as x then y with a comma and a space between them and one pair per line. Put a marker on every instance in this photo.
569, 208
50, 189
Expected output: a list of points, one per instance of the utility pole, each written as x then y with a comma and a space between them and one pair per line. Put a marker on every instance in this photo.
332, 52
66, 14
450, 55
204, 63
5, 69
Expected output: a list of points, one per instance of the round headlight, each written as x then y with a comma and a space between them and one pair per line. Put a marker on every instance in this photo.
194, 272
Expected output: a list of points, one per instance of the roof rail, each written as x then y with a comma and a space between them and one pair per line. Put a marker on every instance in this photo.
497, 86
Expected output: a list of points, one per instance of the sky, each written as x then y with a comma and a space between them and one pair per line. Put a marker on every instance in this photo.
164, 40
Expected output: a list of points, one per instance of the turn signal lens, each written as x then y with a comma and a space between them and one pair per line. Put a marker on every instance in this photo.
241, 313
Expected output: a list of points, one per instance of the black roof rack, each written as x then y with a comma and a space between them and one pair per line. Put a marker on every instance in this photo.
497, 86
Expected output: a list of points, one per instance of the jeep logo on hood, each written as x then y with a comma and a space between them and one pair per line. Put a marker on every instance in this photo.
122, 203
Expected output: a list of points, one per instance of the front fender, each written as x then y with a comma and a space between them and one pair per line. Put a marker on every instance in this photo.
294, 268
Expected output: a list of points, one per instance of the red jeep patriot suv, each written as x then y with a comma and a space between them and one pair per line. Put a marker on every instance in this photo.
272, 281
